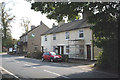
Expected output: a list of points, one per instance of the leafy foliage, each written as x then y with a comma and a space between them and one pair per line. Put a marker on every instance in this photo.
6, 19
58, 10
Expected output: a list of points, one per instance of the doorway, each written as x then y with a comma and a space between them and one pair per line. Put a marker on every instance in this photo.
60, 50
88, 52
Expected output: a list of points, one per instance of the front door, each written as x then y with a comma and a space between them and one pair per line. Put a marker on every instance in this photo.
42, 49
88, 52
60, 50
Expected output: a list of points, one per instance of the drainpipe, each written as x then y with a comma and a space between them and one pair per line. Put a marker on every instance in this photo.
93, 45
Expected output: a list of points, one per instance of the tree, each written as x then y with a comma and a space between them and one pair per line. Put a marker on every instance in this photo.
6, 19
25, 23
104, 16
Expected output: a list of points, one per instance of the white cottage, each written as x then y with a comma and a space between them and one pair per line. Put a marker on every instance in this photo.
73, 39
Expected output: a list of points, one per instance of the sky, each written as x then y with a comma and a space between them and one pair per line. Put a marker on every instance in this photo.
21, 8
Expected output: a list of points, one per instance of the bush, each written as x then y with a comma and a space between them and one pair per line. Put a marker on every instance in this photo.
11, 53
65, 57
37, 55
99, 58
102, 62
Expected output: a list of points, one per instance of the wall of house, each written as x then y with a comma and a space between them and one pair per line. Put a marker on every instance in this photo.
47, 44
24, 46
0, 41
74, 34
61, 41
36, 40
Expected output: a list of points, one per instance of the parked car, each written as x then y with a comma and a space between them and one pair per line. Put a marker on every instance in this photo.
51, 56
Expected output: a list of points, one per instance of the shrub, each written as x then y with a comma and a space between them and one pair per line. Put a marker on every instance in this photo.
99, 58
11, 53
36, 54
65, 57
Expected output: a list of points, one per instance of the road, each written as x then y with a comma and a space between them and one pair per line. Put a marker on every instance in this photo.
33, 68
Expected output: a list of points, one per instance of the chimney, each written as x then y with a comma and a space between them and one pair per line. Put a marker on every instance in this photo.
85, 14
41, 22
62, 22
32, 27
53, 25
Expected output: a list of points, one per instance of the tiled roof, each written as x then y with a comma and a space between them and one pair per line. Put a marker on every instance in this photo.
32, 30
76, 24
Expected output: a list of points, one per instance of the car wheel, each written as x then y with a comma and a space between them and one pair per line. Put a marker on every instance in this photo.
42, 59
51, 60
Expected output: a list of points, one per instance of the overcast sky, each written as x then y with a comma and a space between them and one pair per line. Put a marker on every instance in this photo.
21, 8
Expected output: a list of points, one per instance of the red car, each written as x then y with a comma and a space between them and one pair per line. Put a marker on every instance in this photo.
51, 56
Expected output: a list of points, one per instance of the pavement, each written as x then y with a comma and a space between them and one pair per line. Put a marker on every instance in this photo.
14, 67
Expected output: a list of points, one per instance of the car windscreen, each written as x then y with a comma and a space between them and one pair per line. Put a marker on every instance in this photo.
53, 53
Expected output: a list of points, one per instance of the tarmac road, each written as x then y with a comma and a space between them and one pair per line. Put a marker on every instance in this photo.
32, 68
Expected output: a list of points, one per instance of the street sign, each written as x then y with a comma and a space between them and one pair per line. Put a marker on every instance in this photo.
15, 46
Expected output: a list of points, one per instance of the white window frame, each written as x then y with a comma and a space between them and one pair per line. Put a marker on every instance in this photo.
67, 48
45, 37
54, 36
67, 34
81, 31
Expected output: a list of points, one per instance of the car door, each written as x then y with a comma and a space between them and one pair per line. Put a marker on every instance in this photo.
48, 56
45, 55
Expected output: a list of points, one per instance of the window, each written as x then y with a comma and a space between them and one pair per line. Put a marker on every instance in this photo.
54, 36
67, 35
81, 47
53, 53
45, 38
67, 49
35, 47
48, 53
81, 34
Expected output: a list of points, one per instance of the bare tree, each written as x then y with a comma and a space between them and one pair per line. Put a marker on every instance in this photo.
25, 22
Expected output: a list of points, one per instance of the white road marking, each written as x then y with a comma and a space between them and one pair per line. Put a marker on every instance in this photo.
56, 74
9, 72
34, 67
35, 64
27, 64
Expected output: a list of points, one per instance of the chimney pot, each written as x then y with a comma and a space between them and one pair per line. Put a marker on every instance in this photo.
53, 25
33, 26
41, 22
